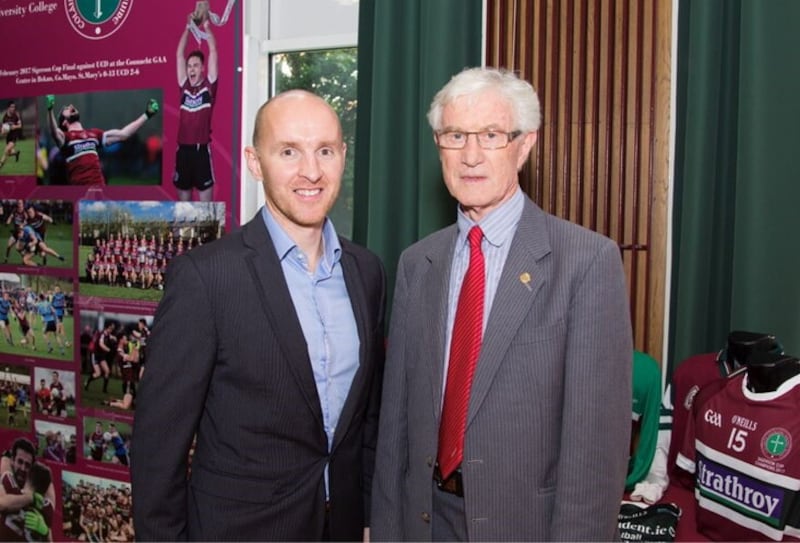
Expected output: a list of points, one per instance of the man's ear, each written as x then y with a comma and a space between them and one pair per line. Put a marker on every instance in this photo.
528, 141
251, 156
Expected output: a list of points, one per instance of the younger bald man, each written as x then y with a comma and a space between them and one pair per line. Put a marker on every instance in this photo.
268, 346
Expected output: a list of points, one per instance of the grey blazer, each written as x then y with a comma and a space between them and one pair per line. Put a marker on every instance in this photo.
548, 424
227, 359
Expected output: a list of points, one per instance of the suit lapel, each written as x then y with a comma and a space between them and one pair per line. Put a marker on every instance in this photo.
265, 268
520, 283
435, 285
358, 300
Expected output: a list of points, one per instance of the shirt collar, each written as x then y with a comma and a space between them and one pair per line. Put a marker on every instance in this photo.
332, 249
498, 225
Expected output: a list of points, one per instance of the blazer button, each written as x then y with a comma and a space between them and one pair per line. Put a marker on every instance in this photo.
429, 461
426, 517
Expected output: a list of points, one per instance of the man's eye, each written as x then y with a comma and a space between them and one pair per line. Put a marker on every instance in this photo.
491, 134
456, 136
327, 152
288, 152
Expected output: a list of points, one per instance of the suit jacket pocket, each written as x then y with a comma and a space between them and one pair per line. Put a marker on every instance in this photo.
232, 486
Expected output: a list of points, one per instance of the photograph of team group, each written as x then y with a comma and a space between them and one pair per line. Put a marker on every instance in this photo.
39, 232
125, 246
96, 508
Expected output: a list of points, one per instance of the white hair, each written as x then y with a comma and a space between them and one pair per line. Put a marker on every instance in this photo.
472, 81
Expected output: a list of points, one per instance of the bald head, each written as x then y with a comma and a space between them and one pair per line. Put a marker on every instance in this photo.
287, 103
298, 154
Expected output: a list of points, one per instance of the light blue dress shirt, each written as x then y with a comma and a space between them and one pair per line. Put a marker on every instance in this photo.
499, 227
326, 316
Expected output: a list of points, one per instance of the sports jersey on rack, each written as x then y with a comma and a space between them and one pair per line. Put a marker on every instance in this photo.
744, 450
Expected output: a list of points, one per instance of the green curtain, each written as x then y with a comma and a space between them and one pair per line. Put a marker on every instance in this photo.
735, 246
407, 50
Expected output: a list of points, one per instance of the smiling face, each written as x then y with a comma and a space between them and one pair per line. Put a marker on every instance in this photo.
299, 157
21, 466
482, 179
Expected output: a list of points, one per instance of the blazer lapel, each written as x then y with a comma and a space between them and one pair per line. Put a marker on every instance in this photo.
358, 300
433, 311
520, 283
265, 268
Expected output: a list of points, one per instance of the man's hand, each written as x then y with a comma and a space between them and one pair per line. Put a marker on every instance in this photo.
50, 100
152, 107
34, 521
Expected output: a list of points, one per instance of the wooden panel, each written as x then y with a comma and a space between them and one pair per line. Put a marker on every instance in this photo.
602, 72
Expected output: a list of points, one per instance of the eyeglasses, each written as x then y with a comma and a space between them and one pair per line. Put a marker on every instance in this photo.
487, 139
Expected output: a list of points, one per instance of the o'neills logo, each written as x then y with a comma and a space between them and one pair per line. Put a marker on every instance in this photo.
727, 486
97, 19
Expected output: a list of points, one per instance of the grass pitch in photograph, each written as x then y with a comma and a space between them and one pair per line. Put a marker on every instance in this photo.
98, 396
22, 164
43, 346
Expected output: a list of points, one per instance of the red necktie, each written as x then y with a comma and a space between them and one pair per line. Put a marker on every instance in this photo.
465, 347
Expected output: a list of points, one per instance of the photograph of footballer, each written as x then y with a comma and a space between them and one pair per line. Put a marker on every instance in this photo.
55, 392
197, 80
15, 398
126, 150
39, 232
17, 136
118, 353
125, 246
36, 316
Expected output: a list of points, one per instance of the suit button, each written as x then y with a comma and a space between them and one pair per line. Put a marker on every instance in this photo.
426, 517
429, 461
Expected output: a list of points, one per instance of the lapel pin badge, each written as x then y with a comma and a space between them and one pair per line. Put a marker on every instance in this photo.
525, 279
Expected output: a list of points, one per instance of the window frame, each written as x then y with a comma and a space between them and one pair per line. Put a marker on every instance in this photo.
258, 84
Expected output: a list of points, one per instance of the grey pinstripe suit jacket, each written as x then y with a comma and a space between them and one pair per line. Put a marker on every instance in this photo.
227, 358
548, 425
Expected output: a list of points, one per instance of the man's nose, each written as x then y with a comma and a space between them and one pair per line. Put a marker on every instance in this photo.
472, 153
310, 168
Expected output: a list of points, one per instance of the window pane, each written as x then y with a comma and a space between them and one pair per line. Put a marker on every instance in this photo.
291, 18
331, 74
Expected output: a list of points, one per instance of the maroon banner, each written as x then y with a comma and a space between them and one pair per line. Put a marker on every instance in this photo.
119, 135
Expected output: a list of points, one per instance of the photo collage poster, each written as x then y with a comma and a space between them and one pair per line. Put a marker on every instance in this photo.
120, 152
